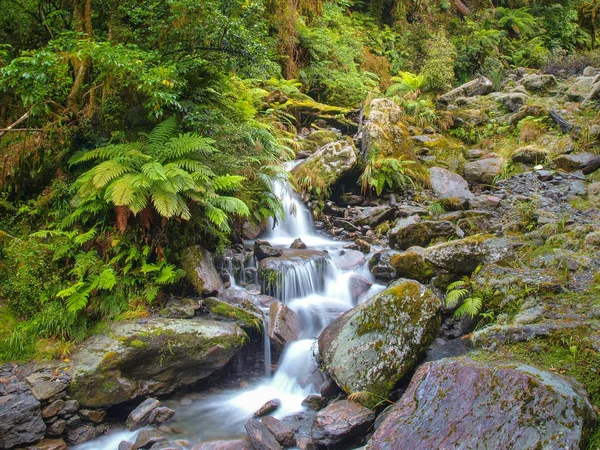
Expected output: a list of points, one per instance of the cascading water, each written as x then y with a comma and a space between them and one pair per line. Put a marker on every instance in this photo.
317, 291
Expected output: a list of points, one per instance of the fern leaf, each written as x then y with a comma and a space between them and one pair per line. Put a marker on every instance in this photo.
107, 171
471, 306
159, 136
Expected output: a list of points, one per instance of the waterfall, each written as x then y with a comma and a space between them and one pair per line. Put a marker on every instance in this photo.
267, 345
297, 278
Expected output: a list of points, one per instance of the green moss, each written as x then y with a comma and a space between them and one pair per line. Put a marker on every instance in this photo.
222, 309
136, 343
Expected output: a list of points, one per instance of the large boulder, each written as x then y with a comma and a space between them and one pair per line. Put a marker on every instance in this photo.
572, 162
150, 357
478, 86
374, 215
580, 89
539, 82
460, 403
197, 262
341, 421
411, 231
483, 171
446, 184
20, 415
385, 131
512, 101
462, 256
372, 346
284, 325
412, 264
530, 154
329, 163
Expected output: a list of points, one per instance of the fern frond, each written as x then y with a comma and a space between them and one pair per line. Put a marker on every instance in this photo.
161, 133
227, 182
471, 306
453, 297
107, 171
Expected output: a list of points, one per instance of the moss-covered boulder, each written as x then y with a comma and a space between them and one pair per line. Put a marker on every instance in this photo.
410, 231
483, 171
374, 345
461, 403
412, 264
197, 262
385, 130
462, 256
150, 357
326, 166
246, 318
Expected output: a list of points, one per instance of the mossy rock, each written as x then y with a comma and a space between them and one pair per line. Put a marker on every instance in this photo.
412, 264
374, 345
246, 319
197, 262
150, 357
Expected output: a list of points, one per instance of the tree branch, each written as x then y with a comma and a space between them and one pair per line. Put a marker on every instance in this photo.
18, 121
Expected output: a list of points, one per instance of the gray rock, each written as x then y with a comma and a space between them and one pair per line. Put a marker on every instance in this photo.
46, 389
411, 231
483, 171
180, 308
84, 433
539, 83
340, 421
314, 402
147, 438
20, 417
373, 216
478, 86
56, 428
140, 416
446, 184
572, 162
260, 436
264, 249
150, 357
582, 87
590, 71
197, 263
460, 403
358, 286
512, 101
284, 325
372, 346
384, 129
380, 266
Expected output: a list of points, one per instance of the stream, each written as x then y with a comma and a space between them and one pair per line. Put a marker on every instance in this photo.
317, 297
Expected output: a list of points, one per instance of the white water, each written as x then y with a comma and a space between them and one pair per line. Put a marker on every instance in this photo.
319, 294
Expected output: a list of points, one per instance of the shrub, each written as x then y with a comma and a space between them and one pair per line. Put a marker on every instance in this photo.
438, 70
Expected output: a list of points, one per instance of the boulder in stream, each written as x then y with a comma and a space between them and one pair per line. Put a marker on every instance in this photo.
150, 357
233, 444
284, 325
374, 345
260, 436
461, 403
340, 421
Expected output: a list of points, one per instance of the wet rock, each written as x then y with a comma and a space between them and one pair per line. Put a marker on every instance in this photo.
358, 286
572, 162
84, 433
46, 389
284, 325
530, 154
49, 444
180, 308
340, 421
412, 264
349, 259
446, 184
380, 266
462, 256
252, 231
412, 231
298, 244
151, 357
56, 428
483, 171
281, 432
268, 408
478, 86
147, 438
246, 318
372, 346
124, 445
264, 249
373, 216
234, 444
260, 436
20, 415
197, 263
363, 245
314, 402
330, 389
92, 415
466, 404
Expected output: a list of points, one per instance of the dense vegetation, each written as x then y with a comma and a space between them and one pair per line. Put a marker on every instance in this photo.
131, 130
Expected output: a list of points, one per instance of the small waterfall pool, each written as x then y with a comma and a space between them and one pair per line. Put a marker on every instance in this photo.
317, 294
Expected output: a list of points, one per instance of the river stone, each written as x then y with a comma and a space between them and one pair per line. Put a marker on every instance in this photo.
280, 431
49, 444
84, 433
373, 216
260, 436
247, 319
199, 268
446, 184
380, 266
234, 444
331, 162
512, 101
53, 409
358, 285
372, 346
92, 415
461, 403
298, 244
478, 86
46, 389
147, 438
462, 256
411, 231
264, 249
268, 408
483, 171
20, 417
140, 416
284, 325
340, 421
150, 357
